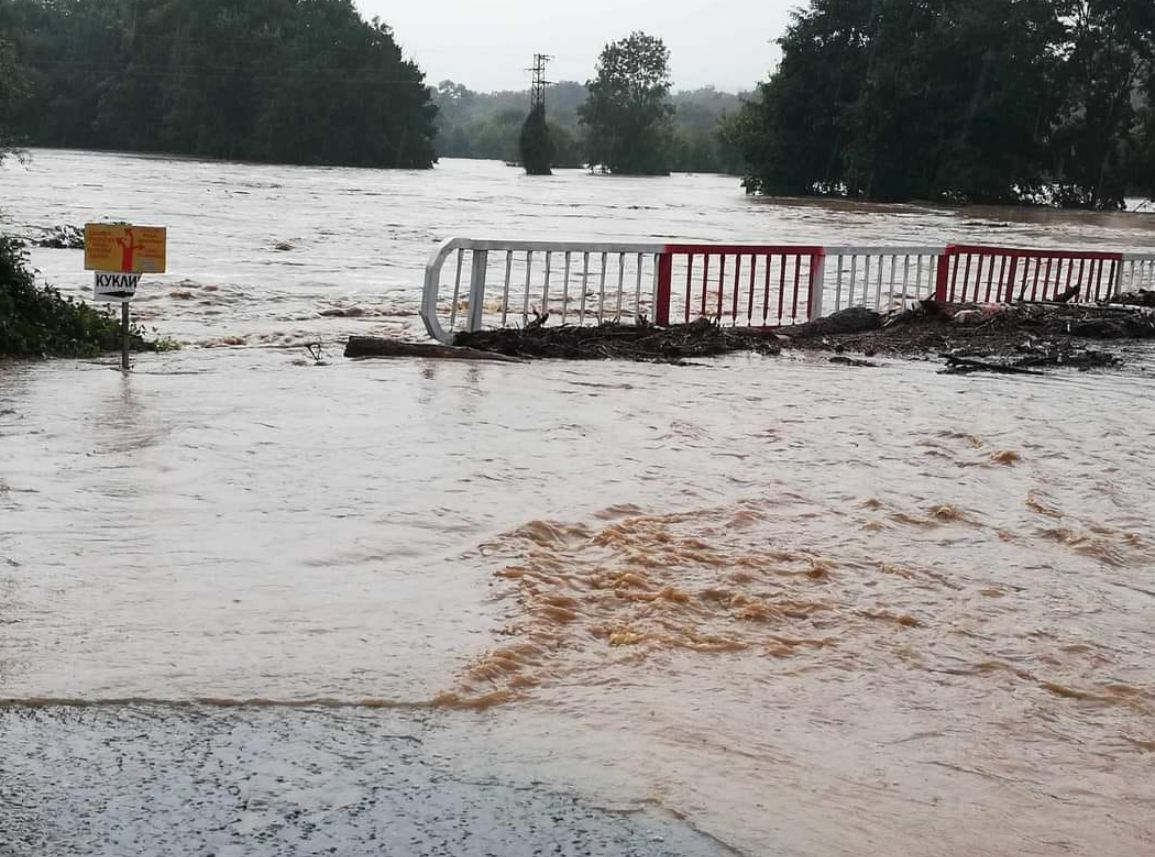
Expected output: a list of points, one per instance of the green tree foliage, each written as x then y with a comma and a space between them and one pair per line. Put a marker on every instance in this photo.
40, 322
627, 114
535, 143
1106, 75
1141, 172
958, 100
11, 91
697, 144
567, 146
302, 81
793, 134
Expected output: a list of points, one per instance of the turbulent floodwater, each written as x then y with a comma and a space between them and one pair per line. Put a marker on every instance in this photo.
249, 604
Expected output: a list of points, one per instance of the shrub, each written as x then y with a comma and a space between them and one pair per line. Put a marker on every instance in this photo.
36, 322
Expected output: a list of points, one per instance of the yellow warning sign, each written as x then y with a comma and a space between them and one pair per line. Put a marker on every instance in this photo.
125, 249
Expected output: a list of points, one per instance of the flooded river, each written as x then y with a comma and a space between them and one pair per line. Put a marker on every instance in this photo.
765, 606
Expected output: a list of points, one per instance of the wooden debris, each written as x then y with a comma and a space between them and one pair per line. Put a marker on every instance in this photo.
1015, 339
956, 365
61, 238
1143, 297
841, 360
379, 346
642, 341
851, 320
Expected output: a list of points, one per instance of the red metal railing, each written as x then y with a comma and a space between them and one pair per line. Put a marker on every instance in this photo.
740, 284
968, 273
471, 284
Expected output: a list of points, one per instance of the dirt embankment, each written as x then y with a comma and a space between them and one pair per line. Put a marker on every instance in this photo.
971, 337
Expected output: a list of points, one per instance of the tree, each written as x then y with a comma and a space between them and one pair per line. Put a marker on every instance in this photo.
567, 149
697, 143
536, 143
1141, 169
299, 81
10, 92
793, 133
951, 101
1108, 52
1022, 101
900, 99
627, 113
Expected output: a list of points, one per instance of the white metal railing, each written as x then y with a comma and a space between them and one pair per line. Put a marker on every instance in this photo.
880, 278
494, 283
1138, 272
475, 284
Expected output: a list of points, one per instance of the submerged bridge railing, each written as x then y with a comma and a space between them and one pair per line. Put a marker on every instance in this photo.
472, 285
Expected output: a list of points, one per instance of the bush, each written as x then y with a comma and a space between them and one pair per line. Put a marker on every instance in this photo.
36, 322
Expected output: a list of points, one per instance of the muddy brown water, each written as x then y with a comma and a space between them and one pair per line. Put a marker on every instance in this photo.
762, 605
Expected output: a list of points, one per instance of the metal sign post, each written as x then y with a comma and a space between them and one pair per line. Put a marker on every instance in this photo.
120, 254
124, 336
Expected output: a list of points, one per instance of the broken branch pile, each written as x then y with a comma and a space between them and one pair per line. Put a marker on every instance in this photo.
1024, 335
1013, 338
642, 341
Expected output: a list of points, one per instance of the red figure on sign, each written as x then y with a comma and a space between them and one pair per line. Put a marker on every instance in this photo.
128, 250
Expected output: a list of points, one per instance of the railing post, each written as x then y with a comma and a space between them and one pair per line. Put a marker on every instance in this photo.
664, 291
431, 293
942, 277
1009, 297
817, 284
477, 290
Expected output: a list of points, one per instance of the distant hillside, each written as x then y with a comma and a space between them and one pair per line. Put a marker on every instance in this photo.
485, 125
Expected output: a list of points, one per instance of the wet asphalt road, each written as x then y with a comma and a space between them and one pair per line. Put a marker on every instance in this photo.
196, 780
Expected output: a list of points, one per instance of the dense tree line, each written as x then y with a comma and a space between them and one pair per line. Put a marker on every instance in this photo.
1008, 101
301, 81
486, 125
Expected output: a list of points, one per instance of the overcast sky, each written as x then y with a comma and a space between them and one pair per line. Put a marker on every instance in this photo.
487, 44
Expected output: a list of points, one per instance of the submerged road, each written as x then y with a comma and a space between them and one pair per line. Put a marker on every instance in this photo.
189, 779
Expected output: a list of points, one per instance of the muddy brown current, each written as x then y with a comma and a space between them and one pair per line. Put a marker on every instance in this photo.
250, 604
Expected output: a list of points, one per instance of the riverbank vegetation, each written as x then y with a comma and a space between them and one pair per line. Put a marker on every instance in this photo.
972, 101
262, 80
1046, 102
40, 322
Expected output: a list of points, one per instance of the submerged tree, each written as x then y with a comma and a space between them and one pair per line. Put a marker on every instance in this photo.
957, 100
894, 99
536, 143
626, 116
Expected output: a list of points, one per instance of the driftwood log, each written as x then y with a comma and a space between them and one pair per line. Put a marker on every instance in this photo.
956, 365
379, 346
